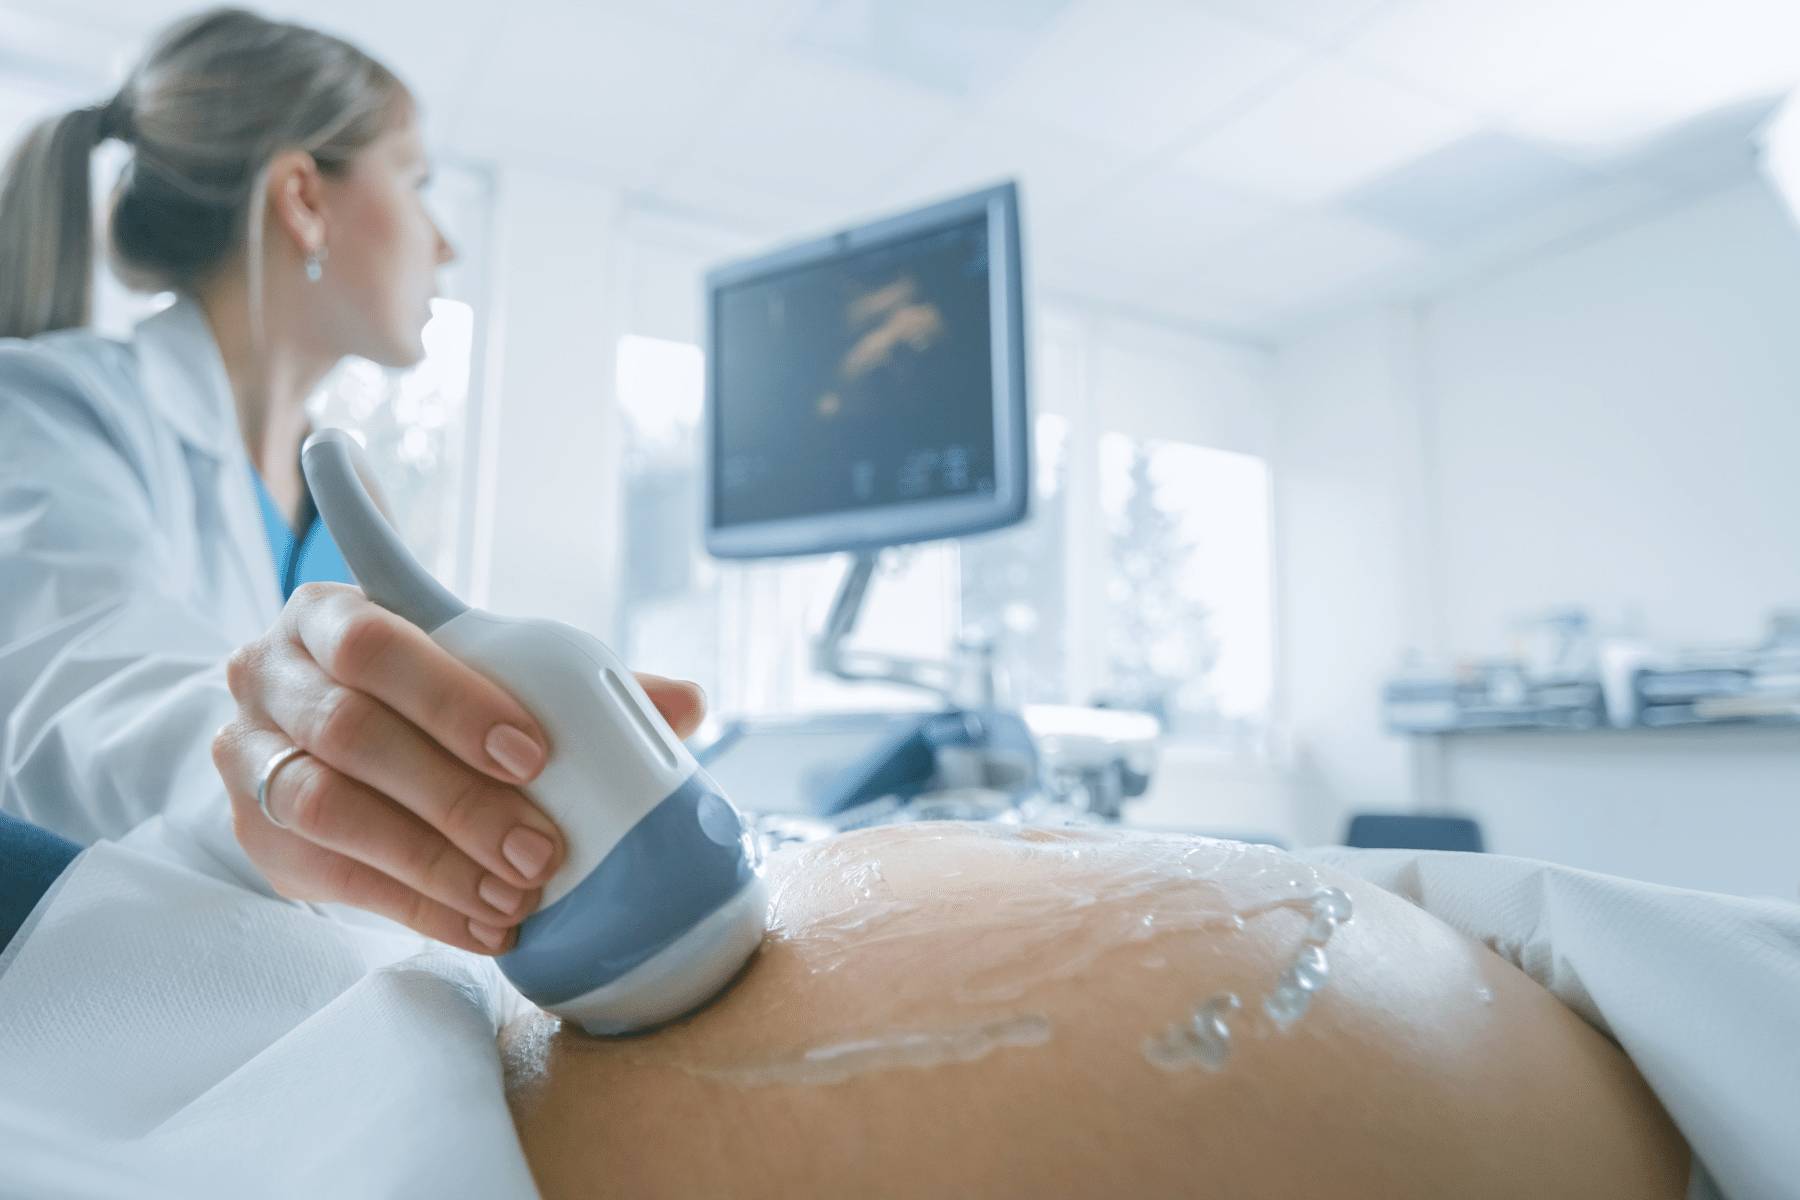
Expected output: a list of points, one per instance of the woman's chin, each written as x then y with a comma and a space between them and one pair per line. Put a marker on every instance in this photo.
399, 353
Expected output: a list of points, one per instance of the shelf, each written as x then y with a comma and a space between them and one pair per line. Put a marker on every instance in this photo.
1754, 726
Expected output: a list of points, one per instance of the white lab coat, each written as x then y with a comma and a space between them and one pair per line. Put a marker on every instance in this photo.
133, 560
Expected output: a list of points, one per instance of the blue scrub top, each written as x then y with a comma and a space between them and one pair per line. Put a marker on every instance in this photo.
310, 557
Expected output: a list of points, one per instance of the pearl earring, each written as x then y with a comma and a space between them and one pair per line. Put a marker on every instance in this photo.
315, 264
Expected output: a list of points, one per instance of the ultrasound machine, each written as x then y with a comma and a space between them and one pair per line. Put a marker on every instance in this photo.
867, 390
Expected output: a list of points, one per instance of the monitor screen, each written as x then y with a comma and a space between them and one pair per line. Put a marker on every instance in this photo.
868, 389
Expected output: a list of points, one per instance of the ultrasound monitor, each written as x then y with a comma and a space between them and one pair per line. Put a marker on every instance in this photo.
868, 389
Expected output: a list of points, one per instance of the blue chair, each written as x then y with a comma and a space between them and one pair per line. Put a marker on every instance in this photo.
1413, 831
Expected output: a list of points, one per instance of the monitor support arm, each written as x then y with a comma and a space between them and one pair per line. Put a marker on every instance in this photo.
831, 657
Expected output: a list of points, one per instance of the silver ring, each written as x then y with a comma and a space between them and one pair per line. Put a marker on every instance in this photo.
275, 763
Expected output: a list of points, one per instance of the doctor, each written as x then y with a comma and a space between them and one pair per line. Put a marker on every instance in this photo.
161, 648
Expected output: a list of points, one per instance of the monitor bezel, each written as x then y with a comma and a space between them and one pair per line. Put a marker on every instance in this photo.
912, 521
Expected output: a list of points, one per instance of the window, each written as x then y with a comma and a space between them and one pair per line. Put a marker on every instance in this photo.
1188, 589
410, 423
1013, 583
669, 589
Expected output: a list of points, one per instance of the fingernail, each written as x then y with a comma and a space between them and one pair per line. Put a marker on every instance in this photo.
513, 749
502, 895
487, 935
527, 850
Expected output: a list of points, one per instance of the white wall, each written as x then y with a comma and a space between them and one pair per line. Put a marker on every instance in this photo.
1615, 426
1341, 484
1620, 427
547, 489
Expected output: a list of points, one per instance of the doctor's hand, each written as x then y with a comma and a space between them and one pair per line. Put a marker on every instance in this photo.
406, 801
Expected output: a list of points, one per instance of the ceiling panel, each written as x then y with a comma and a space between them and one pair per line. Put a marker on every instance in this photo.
1665, 62
1056, 172
1492, 57
765, 215
1302, 259
815, 131
738, 21
1164, 222
1599, 73
559, 56
612, 94
1314, 20
1610, 204
569, 144
949, 45
1469, 188
1201, 302
433, 45
1205, 159
1137, 74
1143, 248
1121, 284
1186, 301
1330, 129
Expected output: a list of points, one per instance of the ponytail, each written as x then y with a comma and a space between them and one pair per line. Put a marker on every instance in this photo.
47, 224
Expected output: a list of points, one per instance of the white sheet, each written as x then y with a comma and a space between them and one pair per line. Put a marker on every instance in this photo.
169, 1032
1701, 990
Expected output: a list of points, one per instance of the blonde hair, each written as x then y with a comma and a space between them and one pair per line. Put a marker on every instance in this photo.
214, 101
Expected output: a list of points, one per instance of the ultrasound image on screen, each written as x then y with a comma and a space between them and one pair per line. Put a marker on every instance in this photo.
857, 383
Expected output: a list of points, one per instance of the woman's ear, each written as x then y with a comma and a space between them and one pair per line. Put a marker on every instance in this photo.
297, 198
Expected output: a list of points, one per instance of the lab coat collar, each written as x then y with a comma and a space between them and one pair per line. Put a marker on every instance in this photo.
183, 375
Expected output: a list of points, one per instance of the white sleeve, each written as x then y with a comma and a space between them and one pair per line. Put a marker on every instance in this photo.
111, 678
1701, 990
